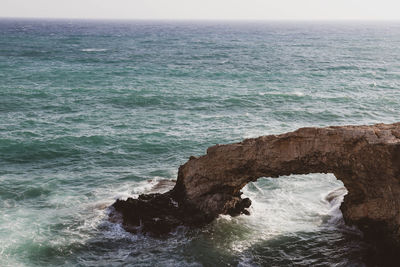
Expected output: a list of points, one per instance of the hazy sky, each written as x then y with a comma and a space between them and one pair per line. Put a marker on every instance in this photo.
204, 9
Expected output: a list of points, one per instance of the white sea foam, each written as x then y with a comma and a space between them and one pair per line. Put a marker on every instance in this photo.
298, 93
94, 50
282, 206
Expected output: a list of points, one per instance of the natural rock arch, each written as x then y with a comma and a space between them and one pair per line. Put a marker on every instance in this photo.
365, 158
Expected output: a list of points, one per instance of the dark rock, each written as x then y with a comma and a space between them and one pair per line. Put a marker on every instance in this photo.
157, 214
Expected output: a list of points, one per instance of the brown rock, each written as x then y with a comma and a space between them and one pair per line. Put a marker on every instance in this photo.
365, 158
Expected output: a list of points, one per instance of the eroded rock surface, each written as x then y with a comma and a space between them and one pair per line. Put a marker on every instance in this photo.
365, 158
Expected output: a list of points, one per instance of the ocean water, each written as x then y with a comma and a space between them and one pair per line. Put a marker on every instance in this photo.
92, 111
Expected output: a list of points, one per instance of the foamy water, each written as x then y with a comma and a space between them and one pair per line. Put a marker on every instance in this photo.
93, 111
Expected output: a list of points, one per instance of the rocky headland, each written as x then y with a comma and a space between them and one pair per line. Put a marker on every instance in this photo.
365, 158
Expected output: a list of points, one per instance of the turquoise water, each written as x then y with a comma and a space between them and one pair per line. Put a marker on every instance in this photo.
91, 111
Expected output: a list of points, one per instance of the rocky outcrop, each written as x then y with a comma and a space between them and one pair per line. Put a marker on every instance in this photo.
365, 158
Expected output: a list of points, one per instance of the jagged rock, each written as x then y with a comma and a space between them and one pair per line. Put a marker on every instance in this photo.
365, 158
157, 214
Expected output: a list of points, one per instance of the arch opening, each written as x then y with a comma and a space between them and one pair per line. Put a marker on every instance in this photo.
295, 202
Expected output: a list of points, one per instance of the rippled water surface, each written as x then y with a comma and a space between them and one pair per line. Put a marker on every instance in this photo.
92, 111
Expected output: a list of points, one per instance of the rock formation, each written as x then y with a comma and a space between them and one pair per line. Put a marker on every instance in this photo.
365, 158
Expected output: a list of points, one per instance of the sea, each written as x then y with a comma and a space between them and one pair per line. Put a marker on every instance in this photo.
92, 111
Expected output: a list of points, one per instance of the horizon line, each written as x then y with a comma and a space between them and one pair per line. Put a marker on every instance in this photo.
209, 19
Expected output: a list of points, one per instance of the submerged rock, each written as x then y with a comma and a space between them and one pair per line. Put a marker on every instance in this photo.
365, 158
332, 196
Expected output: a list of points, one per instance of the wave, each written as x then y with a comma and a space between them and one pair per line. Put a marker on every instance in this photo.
94, 50
283, 94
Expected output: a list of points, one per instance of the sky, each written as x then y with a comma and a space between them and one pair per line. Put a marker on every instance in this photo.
204, 9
